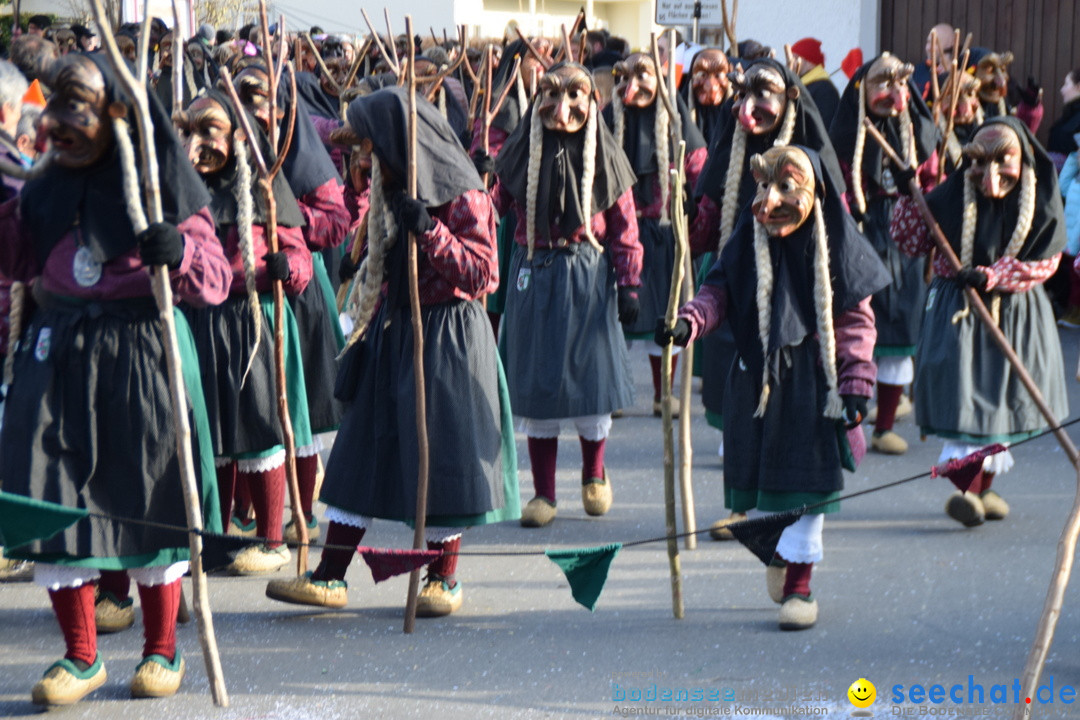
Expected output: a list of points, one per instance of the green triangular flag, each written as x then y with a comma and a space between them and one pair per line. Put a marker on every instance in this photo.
23, 519
586, 569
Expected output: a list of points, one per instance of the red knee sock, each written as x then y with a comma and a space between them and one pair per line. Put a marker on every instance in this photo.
74, 608
542, 455
226, 483
268, 499
306, 470
446, 566
888, 397
160, 604
987, 481
797, 579
654, 365
334, 561
592, 458
115, 582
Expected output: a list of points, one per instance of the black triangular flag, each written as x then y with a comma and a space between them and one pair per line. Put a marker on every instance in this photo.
761, 534
218, 549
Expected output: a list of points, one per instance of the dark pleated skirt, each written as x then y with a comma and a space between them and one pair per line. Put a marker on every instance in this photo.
898, 308
88, 424
658, 242
320, 343
372, 468
793, 448
965, 389
564, 352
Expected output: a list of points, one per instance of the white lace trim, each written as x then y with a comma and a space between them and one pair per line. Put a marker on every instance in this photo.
590, 427
309, 450
59, 577
441, 534
258, 465
343, 517
159, 574
801, 542
220, 462
995, 464
895, 370
593, 427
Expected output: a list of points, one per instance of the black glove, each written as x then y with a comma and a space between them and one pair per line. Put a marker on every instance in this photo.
680, 334
347, 269
414, 216
854, 410
161, 244
1031, 95
690, 207
903, 178
277, 266
857, 216
974, 277
629, 305
483, 162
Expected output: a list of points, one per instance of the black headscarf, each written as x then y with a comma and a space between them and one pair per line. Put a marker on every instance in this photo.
509, 114
809, 132
443, 170
997, 218
455, 114
855, 271
223, 184
845, 125
312, 96
307, 164
639, 141
709, 118
558, 193
92, 197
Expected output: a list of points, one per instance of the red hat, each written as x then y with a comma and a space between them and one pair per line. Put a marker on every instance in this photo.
809, 49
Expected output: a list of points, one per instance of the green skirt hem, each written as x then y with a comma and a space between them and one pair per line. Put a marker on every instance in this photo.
766, 501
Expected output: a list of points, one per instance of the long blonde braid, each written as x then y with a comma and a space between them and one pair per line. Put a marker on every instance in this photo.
663, 157
532, 178
857, 159
245, 218
731, 184
764, 308
618, 116
823, 308
382, 235
588, 174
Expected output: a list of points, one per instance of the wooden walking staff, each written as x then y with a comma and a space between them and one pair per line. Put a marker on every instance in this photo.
1066, 553
267, 174
418, 348
665, 356
492, 110
679, 227
135, 89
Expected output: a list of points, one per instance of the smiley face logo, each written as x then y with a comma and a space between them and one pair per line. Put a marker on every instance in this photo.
862, 693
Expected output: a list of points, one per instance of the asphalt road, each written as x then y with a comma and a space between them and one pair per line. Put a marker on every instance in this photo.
908, 598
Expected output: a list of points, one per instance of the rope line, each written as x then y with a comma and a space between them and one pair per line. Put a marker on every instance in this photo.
255, 540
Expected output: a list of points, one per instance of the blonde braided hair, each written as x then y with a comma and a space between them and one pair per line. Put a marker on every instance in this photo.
382, 235
245, 218
857, 159
823, 307
731, 184
588, 174
763, 260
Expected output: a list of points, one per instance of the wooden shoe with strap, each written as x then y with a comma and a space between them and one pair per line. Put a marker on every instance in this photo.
65, 684
798, 612
719, 529
112, 615
596, 494
538, 512
158, 677
994, 506
439, 598
306, 591
965, 508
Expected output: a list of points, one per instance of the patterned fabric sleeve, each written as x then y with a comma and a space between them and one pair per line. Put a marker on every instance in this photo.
326, 215
204, 275
461, 256
1015, 276
908, 230
622, 238
705, 230
855, 338
706, 311
695, 163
